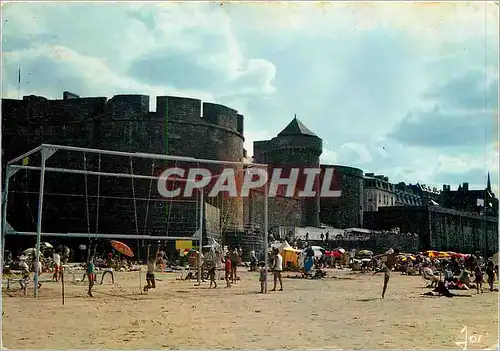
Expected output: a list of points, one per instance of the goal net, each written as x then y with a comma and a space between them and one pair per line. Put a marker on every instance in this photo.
91, 196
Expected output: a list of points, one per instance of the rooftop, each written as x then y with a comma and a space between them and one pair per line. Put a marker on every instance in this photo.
296, 127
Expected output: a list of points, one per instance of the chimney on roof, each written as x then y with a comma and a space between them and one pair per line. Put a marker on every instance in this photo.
466, 187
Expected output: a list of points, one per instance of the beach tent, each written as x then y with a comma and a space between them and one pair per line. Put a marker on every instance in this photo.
289, 254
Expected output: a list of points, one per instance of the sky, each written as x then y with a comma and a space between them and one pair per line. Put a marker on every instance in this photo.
408, 90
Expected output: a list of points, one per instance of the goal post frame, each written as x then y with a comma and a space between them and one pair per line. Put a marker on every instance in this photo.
47, 150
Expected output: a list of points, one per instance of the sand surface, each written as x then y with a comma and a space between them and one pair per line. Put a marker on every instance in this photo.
343, 311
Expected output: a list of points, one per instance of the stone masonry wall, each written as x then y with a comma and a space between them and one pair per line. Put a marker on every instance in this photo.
122, 123
283, 211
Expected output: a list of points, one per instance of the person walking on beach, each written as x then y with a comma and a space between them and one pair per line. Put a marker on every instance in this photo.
277, 269
389, 259
478, 279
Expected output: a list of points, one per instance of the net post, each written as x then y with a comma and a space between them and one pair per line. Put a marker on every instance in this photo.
8, 174
39, 220
200, 244
266, 234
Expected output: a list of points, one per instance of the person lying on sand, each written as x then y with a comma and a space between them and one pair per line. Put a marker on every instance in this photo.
442, 290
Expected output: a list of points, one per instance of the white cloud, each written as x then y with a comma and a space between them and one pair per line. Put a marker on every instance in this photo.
353, 153
328, 157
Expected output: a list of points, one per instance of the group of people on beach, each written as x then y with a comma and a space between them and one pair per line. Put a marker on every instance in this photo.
457, 273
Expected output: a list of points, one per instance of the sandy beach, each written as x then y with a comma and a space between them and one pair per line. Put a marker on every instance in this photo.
342, 311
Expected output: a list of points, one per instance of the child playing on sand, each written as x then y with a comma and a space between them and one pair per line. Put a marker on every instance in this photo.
91, 275
26, 275
211, 275
263, 276
40, 271
57, 266
150, 273
228, 267
478, 274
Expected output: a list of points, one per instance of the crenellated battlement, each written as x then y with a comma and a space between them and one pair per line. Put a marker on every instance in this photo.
182, 109
73, 108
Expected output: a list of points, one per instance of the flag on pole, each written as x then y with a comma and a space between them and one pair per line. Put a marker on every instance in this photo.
26, 161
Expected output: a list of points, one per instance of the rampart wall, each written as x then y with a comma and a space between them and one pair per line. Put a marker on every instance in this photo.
180, 126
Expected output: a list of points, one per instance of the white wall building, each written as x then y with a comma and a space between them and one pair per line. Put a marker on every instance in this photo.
378, 192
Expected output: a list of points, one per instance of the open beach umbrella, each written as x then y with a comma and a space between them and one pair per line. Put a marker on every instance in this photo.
443, 254
495, 258
431, 253
122, 248
365, 253
339, 249
46, 245
31, 251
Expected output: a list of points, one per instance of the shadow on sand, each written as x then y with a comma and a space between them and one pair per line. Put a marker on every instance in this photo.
369, 299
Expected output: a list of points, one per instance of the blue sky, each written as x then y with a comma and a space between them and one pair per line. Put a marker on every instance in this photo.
405, 90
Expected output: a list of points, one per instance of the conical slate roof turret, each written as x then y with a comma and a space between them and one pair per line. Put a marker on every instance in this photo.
296, 127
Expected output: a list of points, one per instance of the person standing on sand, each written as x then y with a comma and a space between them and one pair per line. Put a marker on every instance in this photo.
150, 273
262, 276
91, 275
234, 264
57, 266
211, 275
389, 259
40, 271
228, 268
277, 269
490, 272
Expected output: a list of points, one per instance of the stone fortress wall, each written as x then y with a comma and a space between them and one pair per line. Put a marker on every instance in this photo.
122, 123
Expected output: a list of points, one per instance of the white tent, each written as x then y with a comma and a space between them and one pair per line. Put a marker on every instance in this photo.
286, 246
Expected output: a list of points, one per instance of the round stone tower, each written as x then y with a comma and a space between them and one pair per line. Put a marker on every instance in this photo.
295, 146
